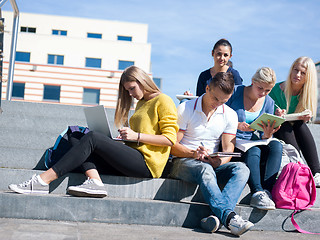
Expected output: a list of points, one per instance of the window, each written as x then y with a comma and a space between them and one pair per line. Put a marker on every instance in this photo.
18, 90
91, 96
157, 81
125, 38
59, 32
94, 35
28, 29
93, 62
23, 56
55, 59
124, 64
51, 93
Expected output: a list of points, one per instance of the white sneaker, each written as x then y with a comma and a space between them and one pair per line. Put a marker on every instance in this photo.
239, 226
317, 179
210, 224
90, 188
32, 186
262, 201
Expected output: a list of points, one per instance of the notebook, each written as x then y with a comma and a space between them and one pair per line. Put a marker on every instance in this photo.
264, 118
181, 97
97, 120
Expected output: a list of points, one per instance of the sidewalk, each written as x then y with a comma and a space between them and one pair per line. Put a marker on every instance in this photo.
16, 229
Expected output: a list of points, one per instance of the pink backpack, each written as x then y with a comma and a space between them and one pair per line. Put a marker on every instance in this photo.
295, 189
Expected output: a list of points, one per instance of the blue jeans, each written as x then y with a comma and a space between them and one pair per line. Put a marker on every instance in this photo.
264, 164
233, 176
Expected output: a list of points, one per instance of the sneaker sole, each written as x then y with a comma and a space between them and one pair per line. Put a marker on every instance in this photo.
21, 191
78, 193
211, 221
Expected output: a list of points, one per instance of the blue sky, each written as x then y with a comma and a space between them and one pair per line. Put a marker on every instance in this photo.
182, 32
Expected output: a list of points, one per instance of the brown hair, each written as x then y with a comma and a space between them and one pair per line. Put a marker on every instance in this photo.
224, 81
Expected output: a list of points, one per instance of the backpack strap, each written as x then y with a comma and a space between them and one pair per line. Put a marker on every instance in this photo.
297, 226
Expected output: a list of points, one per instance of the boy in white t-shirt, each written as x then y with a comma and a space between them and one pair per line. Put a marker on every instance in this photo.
205, 123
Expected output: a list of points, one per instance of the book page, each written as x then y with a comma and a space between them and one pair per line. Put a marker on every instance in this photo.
295, 116
244, 144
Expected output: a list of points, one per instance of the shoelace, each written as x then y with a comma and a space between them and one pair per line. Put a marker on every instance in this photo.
26, 183
240, 221
263, 195
237, 218
88, 181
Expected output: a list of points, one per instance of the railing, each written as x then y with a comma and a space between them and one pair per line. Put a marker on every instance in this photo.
13, 48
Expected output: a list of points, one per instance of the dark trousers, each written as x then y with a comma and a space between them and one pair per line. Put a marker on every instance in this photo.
298, 135
264, 163
96, 151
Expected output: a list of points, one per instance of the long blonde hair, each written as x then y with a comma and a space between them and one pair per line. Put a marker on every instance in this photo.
308, 96
125, 101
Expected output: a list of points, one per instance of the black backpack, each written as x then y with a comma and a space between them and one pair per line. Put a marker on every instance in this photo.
62, 144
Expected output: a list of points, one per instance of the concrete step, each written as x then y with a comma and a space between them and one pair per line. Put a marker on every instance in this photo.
37, 112
22, 158
135, 211
22, 109
28, 129
27, 139
108, 210
116, 186
53, 125
127, 187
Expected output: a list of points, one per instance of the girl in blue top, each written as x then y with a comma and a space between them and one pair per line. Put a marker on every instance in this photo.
221, 53
264, 161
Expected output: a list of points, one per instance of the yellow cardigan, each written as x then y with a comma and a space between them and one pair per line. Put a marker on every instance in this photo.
158, 116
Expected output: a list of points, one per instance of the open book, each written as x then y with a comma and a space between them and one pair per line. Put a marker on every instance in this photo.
279, 120
244, 145
295, 116
265, 118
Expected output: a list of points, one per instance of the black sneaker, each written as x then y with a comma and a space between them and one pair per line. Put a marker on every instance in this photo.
210, 224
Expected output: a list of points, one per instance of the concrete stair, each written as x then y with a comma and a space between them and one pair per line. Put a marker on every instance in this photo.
28, 129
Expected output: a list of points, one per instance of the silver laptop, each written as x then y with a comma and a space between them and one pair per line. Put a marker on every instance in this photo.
97, 120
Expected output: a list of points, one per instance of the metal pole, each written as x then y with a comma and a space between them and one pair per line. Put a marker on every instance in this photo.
13, 48
1, 56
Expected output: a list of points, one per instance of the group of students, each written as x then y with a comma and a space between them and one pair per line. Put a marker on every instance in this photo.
212, 122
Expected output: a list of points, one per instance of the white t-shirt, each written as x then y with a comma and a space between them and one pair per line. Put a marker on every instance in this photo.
197, 128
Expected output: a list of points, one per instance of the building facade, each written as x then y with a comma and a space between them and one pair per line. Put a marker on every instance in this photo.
72, 60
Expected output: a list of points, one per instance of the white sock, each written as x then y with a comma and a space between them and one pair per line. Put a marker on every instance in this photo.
96, 181
41, 181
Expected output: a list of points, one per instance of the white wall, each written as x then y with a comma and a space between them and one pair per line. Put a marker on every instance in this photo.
76, 46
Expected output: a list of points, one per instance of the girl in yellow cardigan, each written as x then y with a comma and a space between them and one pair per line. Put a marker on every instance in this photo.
153, 126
